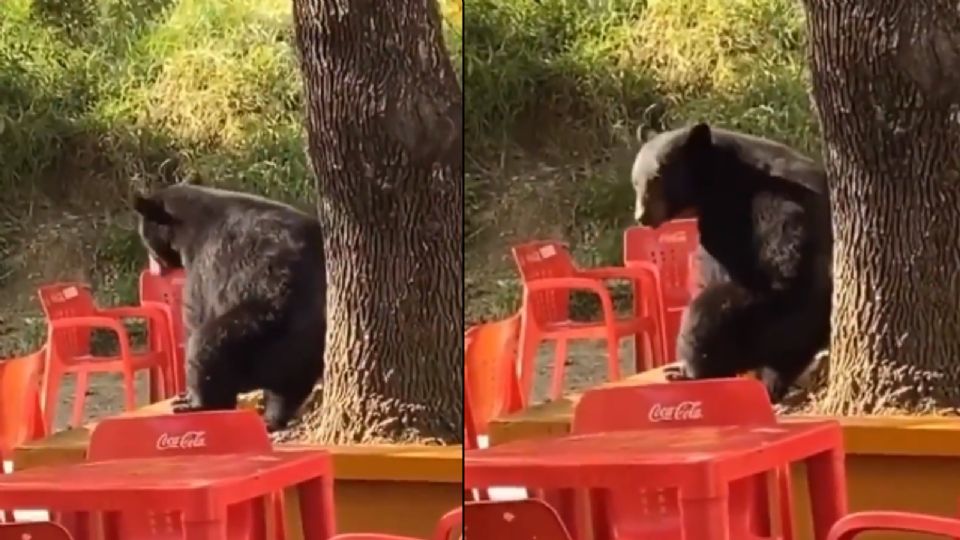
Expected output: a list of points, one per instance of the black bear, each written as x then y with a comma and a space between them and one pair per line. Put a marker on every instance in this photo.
764, 218
254, 298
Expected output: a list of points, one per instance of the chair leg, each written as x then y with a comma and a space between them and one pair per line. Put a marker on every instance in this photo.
559, 366
652, 349
79, 398
613, 357
154, 384
169, 381
640, 358
52, 379
761, 524
528, 345
179, 371
160, 382
785, 498
129, 391
6, 515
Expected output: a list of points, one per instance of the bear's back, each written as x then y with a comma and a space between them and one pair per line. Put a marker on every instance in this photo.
777, 159
249, 248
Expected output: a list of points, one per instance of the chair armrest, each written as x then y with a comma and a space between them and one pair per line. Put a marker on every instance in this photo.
848, 527
149, 311
635, 270
573, 284
566, 283
93, 322
644, 272
165, 319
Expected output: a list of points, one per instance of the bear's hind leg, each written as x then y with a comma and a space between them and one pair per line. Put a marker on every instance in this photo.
780, 379
211, 382
281, 407
713, 341
220, 358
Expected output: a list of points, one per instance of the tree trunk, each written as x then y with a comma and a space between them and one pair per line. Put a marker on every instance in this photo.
886, 83
384, 117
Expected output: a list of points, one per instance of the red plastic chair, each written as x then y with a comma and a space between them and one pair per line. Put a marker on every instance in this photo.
208, 432
21, 419
672, 248
654, 515
549, 275
163, 290
490, 370
448, 528
854, 524
38, 530
71, 315
528, 519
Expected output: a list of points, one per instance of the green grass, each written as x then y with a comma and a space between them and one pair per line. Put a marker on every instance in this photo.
102, 97
556, 88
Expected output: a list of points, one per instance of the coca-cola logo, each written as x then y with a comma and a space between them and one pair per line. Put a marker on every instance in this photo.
674, 238
685, 410
182, 441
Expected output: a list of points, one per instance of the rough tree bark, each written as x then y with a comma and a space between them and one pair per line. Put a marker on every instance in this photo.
886, 84
384, 126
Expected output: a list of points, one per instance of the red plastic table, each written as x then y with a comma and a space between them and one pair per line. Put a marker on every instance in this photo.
700, 462
200, 486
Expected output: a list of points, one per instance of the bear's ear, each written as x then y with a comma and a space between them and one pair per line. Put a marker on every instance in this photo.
152, 210
700, 138
645, 133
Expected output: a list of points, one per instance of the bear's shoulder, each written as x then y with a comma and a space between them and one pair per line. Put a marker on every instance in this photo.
776, 159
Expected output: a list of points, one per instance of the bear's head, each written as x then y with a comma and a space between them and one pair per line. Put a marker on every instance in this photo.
158, 229
669, 172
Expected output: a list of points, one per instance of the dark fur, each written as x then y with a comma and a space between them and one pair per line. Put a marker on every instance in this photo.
254, 299
764, 219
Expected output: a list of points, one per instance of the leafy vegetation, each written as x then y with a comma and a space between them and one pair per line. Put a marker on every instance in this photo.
102, 97
555, 90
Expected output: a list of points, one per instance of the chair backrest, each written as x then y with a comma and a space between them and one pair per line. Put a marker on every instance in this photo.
166, 289
527, 519
208, 432
654, 514
490, 370
20, 416
545, 259
37, 530
670, 247
63, 301
709, 402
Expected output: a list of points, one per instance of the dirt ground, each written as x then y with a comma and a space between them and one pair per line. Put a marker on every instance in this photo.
586, 366
104, 397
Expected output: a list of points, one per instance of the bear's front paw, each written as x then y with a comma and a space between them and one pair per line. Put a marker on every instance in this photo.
273, 426
184, 403
676, 372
